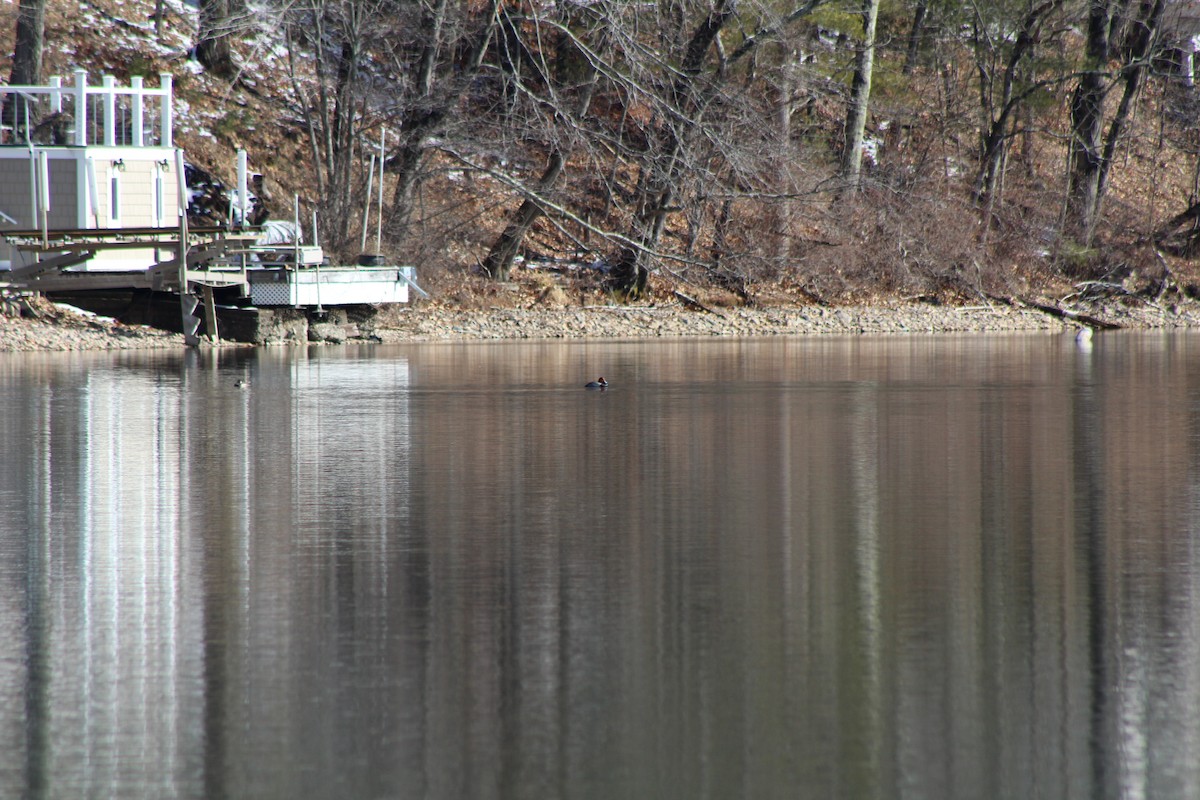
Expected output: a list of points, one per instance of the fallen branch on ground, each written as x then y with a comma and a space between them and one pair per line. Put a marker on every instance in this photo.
694, 303
1061, 313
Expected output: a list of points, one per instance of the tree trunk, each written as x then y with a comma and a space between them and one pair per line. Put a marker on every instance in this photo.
915, 34
407, 166
781, 213
212, 43
1092, 150
860, 97
998, 114
433, 105
332, 104
660, 179
1142, 44
499, 259
631, 272
1087, 119
30, 36
27, 62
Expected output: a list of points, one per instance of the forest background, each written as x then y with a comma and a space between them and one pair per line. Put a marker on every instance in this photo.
737, 151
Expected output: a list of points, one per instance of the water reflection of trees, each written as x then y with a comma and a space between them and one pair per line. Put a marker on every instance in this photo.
843, 568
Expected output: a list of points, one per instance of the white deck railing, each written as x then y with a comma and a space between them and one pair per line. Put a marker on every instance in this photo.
107, 114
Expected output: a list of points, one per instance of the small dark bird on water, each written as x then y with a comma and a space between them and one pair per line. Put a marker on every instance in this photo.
600, 384
241, 384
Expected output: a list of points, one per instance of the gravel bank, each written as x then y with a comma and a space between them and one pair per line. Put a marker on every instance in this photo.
60, 328
614, 322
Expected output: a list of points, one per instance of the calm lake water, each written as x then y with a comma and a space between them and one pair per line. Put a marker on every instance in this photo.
814, 568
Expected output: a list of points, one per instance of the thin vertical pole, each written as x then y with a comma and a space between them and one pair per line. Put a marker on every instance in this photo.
44, 164
181, 186
299, 234
367, 206
181, 183
320, 310
379, 219
94, 191
34, 191
242, 186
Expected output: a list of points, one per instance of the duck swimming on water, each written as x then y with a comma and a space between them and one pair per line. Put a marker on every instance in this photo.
241, 384
600, 384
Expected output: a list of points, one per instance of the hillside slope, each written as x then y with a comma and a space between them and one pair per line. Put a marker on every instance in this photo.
912, 232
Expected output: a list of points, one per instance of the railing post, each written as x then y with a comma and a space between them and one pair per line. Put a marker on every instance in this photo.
110, 111
135, 84
81, 109
165, 135
56, 96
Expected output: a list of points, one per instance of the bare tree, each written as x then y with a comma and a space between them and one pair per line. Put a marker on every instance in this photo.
682, 97
359, 67
443, 54
860, 95
1125, 32
333, 49
562, 125
1004, 52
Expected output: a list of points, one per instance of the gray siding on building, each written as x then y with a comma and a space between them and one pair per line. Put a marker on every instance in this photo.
146, 188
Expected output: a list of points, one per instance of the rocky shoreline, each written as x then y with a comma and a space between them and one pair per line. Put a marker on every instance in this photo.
49, 328
638, 322
431, 322
45, 327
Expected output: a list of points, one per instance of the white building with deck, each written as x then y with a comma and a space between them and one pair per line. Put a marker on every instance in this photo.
93, 198
80, 157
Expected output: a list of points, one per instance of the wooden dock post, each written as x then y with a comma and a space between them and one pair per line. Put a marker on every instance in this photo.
210, 314
187, 303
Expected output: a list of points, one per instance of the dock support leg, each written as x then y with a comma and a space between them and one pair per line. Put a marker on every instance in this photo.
210, 315
191, 322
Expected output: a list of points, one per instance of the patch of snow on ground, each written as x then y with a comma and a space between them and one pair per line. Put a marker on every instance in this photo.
275, 51
183, 114
83, 312
870, 149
